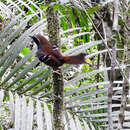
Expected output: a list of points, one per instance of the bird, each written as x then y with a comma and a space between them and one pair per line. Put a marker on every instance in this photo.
50, 53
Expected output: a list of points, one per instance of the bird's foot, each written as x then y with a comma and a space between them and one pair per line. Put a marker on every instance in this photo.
57, 71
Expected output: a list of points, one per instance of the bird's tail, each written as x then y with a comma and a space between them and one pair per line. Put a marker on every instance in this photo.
77, 59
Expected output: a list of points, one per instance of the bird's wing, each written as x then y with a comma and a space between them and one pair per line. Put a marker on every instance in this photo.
48, 59
56, 52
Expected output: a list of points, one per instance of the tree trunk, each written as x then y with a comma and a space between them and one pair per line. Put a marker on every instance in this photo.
58, 84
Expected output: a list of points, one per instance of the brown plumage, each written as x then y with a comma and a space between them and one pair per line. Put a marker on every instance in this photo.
51, 55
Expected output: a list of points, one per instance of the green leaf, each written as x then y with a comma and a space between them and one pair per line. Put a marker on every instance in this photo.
93, 9
3, 1
33, 7
1, 127
64, 23
1, 19
25, 51
62, 9
72, 17
121, 22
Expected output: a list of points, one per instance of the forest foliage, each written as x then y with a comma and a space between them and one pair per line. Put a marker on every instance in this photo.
96, 94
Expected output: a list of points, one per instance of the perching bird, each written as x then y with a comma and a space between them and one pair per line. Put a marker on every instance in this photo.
51, 55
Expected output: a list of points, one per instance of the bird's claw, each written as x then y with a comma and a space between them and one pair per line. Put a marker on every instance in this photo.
57, 72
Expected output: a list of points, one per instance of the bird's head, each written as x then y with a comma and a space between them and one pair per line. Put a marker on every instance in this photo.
35, 39
40, 40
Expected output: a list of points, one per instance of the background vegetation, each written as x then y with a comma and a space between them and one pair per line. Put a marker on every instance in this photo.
96, 94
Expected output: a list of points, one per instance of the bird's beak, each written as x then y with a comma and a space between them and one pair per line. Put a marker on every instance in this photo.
35, 39
32, 37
